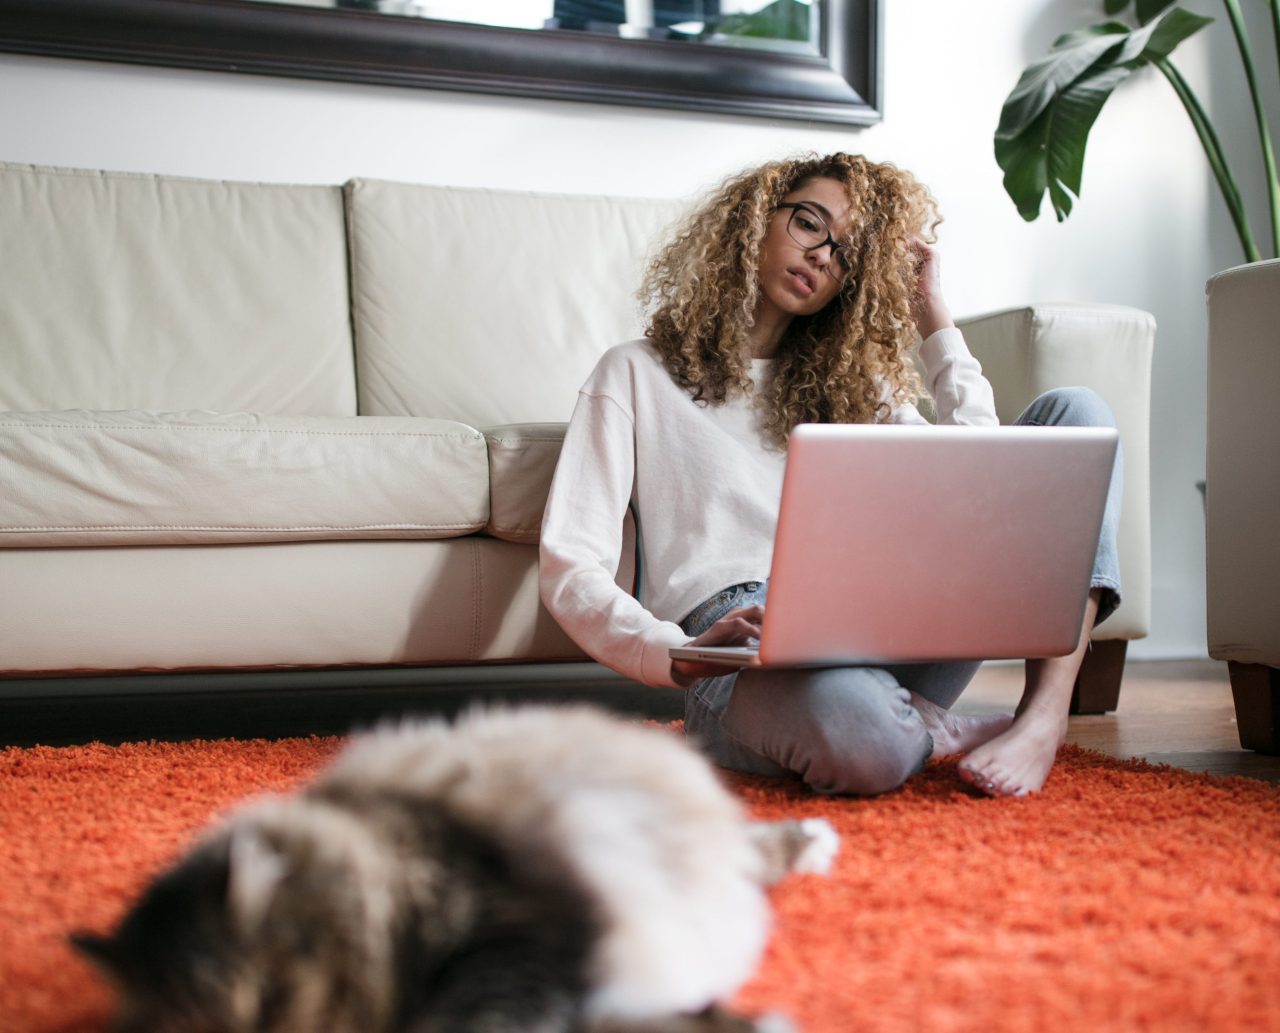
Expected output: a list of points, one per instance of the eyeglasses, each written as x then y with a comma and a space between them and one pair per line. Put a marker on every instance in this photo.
808, 229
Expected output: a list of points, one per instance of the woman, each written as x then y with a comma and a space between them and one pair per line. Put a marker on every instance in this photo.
793, 295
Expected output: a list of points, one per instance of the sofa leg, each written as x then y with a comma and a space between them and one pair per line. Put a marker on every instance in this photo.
1098, 683
1256, 689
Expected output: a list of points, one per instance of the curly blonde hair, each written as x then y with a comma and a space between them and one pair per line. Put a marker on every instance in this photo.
831, 367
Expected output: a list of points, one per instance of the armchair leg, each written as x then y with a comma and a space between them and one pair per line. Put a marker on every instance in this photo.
1256, 689
1097, 688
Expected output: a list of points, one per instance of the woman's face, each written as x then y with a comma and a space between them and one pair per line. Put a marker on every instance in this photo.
800, 271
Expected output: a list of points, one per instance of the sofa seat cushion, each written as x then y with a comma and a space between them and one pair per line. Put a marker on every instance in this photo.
522, 461
82, 478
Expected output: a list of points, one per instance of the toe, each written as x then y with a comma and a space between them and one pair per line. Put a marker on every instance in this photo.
979, 779
992, 781
985, 778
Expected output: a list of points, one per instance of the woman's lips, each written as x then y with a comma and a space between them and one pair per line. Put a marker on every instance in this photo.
801, 282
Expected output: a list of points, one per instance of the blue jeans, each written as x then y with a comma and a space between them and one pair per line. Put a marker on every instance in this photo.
853, 729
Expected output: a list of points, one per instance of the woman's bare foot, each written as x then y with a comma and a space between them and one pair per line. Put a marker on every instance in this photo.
953, 733
1018, 761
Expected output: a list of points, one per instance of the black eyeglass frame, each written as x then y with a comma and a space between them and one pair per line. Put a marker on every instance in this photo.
841, 254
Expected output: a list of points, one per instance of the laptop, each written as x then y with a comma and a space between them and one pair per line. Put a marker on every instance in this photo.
908, 544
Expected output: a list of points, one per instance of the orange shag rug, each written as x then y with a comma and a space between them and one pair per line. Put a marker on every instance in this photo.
1123, 897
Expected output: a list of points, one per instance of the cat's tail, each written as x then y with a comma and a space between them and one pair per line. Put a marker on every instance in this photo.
809, 845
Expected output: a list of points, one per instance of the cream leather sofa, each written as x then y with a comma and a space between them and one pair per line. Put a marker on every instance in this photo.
1242, 497
258, 427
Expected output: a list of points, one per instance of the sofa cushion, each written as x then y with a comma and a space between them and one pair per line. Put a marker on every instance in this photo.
136, 478
310, 604
522, 461
126, 291
444, 279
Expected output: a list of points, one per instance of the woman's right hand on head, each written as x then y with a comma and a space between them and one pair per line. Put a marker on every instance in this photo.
736, 628
928, 307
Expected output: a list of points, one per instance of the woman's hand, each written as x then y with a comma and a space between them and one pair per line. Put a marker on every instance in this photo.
928, 308
736, 628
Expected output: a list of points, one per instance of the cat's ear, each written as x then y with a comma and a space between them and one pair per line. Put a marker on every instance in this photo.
101, 950
254, 872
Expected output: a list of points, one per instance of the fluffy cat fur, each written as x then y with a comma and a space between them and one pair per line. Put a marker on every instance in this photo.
538, 869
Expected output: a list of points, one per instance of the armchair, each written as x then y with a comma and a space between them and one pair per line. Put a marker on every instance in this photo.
1242, 494
1027, 351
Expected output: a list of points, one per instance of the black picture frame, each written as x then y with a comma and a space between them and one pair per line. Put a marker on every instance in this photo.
843, 86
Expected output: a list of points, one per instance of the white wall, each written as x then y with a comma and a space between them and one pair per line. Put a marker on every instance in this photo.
1147, 233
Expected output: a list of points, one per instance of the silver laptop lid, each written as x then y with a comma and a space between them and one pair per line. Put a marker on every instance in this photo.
929, 543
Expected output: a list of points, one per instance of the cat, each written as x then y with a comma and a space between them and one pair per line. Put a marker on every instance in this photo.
535, 869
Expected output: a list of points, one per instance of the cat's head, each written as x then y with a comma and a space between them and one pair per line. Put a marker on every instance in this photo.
279, 923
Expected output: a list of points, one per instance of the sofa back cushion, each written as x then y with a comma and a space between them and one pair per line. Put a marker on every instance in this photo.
122, 291
491, 307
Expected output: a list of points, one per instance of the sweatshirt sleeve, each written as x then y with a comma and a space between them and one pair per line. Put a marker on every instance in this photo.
954, 380
581, 544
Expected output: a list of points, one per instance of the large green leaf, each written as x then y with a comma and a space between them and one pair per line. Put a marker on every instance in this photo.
1171, 30
1072, 118
1044, 126
1145, 10
1081, 36
1049, 155
1149, 10
1042, 80
1026, 171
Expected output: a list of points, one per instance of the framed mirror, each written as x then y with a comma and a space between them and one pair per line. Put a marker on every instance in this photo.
808, 60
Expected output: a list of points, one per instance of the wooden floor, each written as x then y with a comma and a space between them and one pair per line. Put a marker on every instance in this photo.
1176, 712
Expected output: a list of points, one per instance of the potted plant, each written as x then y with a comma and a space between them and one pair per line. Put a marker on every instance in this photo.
1040, 145
1045, 122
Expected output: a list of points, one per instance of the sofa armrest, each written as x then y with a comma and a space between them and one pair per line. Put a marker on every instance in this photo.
1243, 478
1029, 350
522, 462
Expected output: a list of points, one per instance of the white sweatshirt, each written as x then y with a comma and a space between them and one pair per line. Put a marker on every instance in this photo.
705, 484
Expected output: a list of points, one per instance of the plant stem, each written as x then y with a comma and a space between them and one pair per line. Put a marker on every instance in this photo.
1264, 135
1275, 25
1217, 159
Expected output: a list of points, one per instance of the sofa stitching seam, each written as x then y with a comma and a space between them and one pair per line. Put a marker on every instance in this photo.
231, 528
248, 430
477, 588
